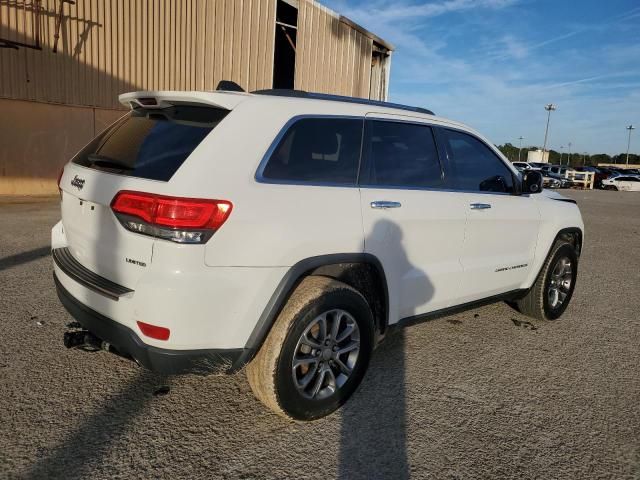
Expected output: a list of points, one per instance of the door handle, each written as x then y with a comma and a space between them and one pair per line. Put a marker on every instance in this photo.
480, 206
383, 204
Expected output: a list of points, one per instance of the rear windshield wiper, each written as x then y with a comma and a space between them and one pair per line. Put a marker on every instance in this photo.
103, 161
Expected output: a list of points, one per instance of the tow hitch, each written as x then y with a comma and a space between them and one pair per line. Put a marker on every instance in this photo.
78, 337
84, 339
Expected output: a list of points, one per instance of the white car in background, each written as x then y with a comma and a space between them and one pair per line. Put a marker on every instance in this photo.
287, 231
522, 166
551, 182
626, 183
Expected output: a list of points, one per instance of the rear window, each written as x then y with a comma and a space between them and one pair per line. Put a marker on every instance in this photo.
150, 144
318, 150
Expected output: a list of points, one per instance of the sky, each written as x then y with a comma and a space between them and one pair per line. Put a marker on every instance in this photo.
495, 64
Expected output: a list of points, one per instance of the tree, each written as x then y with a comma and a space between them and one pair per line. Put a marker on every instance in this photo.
510, 152
599, 158
575, 159
622, 158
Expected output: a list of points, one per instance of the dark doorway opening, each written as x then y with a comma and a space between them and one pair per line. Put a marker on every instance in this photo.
284, 62
378, 79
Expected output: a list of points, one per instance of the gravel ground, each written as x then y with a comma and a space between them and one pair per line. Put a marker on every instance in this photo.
486, 393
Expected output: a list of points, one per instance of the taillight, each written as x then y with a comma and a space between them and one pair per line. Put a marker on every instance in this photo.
181, 220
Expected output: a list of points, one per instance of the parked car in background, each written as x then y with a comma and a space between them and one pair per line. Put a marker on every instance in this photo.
546, 168
620, 170
537, 165
613, 172
610, 173
522, 166
551, 182
598, 175
587, 168
548, 180
628, 183
562, 170
547, 171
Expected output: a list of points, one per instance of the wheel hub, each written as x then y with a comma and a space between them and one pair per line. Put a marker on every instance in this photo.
326, 354
560, 282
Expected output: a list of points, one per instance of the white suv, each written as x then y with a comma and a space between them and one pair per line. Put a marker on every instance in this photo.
287, 231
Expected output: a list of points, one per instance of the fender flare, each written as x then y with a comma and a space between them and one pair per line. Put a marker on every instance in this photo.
288, 284
569, 230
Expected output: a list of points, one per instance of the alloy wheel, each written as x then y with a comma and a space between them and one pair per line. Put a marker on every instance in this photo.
326, 354
560, 282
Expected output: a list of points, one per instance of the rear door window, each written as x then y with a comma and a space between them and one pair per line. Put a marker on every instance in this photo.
474, 166
150, 144
401, 154
317, 150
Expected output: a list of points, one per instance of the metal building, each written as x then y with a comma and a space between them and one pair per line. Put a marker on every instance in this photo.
63, 64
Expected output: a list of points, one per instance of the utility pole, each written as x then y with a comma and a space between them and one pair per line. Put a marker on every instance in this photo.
561, 152
550, 107
520, 149
584, 156
569, 157
630, 127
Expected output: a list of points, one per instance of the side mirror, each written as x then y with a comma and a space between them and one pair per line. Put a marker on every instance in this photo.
531, 181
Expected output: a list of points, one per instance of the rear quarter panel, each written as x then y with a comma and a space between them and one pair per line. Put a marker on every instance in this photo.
270, 225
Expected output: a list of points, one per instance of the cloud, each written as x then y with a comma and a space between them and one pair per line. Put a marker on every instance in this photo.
402, 11
591, 79
489, 68
516, 49
506, 47
394, 19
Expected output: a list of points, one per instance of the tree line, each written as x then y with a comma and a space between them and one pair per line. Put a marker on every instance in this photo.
575, 159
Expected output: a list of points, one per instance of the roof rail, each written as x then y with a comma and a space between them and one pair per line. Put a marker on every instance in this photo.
283, 92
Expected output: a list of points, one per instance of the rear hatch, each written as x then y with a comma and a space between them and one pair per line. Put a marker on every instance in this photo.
140, 152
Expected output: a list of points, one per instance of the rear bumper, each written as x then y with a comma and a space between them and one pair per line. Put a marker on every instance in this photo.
160, 360
206, 308
85, 277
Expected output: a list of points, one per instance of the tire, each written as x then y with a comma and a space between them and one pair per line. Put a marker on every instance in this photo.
271, 374
551, 293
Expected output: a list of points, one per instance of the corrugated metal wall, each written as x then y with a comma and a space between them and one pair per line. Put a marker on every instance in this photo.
331, 56
107, 47
380, 64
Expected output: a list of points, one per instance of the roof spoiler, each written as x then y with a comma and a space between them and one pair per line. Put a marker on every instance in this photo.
163, 99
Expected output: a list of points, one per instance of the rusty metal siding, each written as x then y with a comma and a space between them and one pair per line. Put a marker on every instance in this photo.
379, 84
107, 47
53, 103
331, 56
